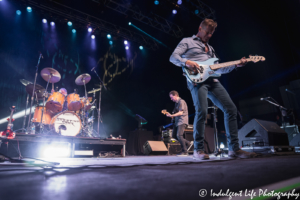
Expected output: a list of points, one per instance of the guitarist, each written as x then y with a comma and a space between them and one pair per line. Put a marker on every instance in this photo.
181, 121
196, 48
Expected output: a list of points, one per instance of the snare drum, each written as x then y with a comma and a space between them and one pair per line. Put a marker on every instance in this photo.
74, 103
55, 102
66, 123
47, 116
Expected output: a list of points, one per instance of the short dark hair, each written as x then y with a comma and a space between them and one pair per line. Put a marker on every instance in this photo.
208, 23
174, 93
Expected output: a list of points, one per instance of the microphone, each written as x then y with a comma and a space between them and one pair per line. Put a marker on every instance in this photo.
263, 99
93, 69
41, 55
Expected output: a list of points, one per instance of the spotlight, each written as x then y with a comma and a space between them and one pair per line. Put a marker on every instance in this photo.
179, 2
29, 9
196, 12
110, 42
125, 42
156, 2
69, 23
129, 23
126, 47
18, 12
174, 12
93, 37
141, 47
73, 30
52, 23
90, 29
108, 36
44, 21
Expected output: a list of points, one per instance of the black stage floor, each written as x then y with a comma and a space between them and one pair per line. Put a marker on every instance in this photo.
147, 177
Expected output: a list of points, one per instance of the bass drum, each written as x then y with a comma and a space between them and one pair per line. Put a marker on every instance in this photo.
66, 123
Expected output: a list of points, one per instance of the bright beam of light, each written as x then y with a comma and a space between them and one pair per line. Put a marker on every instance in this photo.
17, 115
56, 150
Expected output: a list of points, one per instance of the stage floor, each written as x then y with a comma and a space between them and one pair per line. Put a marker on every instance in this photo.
145, 177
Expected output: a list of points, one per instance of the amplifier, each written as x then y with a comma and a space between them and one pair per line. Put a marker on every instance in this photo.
173, 148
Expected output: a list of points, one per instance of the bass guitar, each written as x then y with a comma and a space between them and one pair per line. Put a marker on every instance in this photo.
208, 68
165, 112
8, 132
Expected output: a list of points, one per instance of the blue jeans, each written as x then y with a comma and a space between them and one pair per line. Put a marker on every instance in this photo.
219, 96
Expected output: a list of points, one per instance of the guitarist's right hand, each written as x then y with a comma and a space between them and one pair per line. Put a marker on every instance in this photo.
192, 65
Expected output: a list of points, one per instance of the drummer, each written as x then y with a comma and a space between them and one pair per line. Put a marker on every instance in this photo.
64, 92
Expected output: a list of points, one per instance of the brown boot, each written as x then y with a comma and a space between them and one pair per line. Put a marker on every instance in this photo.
241, 154
200, 155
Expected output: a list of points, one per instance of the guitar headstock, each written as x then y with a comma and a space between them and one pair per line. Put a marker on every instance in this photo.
164, 112
256, 58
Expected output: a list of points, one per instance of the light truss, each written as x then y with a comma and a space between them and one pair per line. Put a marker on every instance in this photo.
153, 20
83, 20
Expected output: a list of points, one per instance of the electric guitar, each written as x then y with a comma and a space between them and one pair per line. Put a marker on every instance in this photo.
165, 112
8, 133
207, 68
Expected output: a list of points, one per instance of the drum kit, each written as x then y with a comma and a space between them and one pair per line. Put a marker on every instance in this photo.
61, 114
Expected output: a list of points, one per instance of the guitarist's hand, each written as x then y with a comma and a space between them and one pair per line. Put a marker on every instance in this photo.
192, 65
243, 62
168, 115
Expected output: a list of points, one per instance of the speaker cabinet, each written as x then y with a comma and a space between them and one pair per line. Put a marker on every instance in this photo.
155, 148
262, 133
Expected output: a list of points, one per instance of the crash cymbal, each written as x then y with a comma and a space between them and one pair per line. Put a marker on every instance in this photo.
25, 82
50, 73
94, 90
83, 79
39, 90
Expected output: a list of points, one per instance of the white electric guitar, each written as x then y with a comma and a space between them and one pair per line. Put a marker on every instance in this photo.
207, 68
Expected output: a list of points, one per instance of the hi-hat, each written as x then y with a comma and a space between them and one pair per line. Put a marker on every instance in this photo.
94, 90
50, 73
83, 79
39, 90
25, 82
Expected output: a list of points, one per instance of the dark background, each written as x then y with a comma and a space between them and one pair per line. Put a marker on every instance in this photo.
266, 28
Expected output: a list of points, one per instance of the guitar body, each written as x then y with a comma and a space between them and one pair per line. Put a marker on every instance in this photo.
8, 134
207, 72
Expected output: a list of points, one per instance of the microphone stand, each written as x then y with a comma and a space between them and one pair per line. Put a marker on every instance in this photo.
99, 108
32, 97
281, 108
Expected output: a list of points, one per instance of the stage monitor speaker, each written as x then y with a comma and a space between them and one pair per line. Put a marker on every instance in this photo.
262, 133
155, 148
295, 141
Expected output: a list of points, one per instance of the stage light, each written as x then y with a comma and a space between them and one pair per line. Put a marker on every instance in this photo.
196, 12
73, 30
93, 37
108, 36
179, 2
18, 12
90, 29
44, 21
125, 42
127, 47
141, 47
29, 9
56, 150
129, 23
110, 42
174, 12
52, 23
156, 2
69, 23
222, 145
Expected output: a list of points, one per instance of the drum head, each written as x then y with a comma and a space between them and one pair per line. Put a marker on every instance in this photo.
66, 123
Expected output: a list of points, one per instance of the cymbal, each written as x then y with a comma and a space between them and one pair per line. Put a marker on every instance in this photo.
39, 90
46, 73
94, 90
25, 82
83, 79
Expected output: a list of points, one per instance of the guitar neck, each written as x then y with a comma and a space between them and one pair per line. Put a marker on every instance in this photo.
226, 64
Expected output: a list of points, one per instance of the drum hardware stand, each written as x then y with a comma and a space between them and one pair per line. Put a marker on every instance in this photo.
99, 108
44, 96
24, 122
32, 97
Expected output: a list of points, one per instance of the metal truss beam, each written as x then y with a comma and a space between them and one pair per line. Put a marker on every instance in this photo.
153, 20
83, 20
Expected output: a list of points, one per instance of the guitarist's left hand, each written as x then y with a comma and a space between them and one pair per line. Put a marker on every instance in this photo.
243, 62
